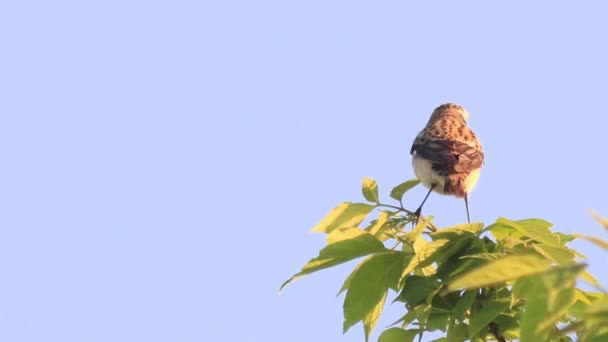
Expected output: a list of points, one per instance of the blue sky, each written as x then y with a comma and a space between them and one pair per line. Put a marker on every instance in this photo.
163, 162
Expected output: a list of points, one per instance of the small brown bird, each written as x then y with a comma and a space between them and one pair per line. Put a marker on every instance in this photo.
446, 155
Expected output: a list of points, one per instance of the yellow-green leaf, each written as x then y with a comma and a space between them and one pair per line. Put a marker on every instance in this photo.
536, 229
370, 190
344, 216
455, 231
370, 321
485, 256
377, 225
341, 234
369, 285
397, 335
423, 257
399, 190
341, 251
559, 254
500, 270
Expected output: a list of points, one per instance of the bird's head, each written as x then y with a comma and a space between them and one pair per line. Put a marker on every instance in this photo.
448, 109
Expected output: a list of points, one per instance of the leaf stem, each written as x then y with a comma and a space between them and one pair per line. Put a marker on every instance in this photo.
431, 226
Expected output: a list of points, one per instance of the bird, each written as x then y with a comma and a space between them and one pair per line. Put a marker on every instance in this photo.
447, 156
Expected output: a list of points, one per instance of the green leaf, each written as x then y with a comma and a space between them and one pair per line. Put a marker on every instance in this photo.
371, 319
416, 289
368, 286
487, 314
599, 338
423, 257
484, 256
399, 190
548, 297
536, 229
346, 284
458, 333
420, 312
344, 216
397, 335
565, 238
535, 309
500, 270
463, 305
508, 326
437, 321
340, 252
370, 190
453, 232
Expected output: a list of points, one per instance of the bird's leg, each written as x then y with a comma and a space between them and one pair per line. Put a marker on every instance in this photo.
466, 203
419, 210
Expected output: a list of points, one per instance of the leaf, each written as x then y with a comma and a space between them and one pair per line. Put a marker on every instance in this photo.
397, 335
423, 257
601, 220
534, 313
340, 252
399, 190
500, 270
594, 240
536, 229
344, 216
370, 190
437, 321
416, 289
599, 307
486, 315
560, 255
370, 321
458, 333
484, 256
455, 231
548, 297
415, 233
376, 225
342, 234
508, 326
463, 305
369, 285
346, 284
565, 238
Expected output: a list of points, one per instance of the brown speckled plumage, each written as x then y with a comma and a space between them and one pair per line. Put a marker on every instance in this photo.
446, 154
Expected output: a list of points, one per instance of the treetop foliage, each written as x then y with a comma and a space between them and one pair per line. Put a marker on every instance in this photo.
510, 280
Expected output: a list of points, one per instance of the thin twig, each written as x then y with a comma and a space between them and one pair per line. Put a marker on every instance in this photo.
494, 331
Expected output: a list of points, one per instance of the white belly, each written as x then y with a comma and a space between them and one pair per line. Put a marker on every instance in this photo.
424, 172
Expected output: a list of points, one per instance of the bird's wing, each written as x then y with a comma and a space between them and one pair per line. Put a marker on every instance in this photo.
448, 156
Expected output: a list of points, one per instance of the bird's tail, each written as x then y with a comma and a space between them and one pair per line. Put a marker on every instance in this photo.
456, 185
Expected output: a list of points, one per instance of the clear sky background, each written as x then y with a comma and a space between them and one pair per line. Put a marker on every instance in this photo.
162, 162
